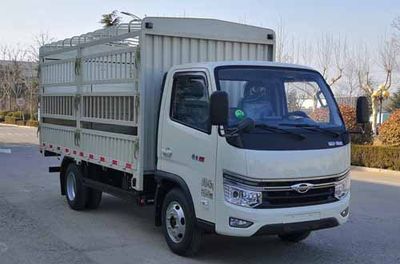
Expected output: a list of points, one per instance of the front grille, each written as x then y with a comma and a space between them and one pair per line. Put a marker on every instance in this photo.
290, 198
281, 195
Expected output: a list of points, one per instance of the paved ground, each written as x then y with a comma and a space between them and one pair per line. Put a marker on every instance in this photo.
36, 225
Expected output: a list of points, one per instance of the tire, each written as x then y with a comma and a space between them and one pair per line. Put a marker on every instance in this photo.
93, 198
295, 236
75, 192
179, 224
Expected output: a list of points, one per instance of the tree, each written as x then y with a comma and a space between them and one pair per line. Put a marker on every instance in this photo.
281, 43
349, 85
12, 74
111, 19
396, 35
328, 54
18, 74
331, 54
387, 57
32, 81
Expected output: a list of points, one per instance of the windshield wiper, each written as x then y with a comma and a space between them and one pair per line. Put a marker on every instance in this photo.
274, 128
313, 128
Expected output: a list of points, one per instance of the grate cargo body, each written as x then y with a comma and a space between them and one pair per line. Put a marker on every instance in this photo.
100, 91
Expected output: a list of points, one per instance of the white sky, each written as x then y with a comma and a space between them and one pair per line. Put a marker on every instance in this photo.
366, 21
357, 20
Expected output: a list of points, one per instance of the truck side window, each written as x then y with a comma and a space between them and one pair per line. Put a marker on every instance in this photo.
190, 102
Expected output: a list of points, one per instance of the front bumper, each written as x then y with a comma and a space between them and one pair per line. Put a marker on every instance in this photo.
276, 221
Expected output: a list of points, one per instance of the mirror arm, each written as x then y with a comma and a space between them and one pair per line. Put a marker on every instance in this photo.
232, 133
360, 132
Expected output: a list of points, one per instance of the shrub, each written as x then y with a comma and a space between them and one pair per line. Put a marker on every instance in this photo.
350, 119
1, 118
20, 122
10, 120
382, 157
389, 131
32, 123
3, 113
320, 115
349, 115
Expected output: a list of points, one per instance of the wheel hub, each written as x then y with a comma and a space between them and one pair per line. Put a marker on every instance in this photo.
175, 221
71, 186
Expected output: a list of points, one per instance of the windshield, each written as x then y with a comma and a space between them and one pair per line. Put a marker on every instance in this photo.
281, 97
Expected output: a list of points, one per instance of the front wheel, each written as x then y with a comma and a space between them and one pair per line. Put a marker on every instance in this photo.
295, 236
179, 224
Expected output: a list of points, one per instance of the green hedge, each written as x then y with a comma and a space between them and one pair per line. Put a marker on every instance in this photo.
381, 157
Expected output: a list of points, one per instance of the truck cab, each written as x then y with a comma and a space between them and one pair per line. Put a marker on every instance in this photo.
262, 147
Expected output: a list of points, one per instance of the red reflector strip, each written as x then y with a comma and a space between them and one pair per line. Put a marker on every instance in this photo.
128, 166
114, 162
201, 159
81, 154
66, 150
102, 159
74, 152
44, 144
91, 156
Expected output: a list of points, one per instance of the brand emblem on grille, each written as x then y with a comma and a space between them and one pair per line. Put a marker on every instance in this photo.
302, 187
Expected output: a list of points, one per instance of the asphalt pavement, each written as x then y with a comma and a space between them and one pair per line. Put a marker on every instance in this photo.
37, 226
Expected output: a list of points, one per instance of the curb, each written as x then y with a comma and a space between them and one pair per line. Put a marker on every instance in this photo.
367, 169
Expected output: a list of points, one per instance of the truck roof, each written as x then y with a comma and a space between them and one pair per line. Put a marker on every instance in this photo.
125, 34
214, 64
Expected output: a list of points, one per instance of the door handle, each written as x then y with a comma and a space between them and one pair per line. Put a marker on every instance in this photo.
167, 152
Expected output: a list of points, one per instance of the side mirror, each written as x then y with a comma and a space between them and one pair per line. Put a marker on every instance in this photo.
362, 110
219, 108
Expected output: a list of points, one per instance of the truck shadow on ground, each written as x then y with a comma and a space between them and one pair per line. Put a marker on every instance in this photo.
217, 248
346, 244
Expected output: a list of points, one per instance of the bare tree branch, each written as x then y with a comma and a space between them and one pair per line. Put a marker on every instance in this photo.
388, 54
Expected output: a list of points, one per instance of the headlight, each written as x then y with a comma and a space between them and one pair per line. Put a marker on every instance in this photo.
342, 188
240, 195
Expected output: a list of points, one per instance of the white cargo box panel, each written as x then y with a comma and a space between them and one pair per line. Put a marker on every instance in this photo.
100, 91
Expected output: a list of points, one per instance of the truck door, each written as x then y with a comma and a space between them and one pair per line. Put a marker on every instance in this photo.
188, 147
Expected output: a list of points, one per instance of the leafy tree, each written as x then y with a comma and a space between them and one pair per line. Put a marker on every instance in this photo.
111, 19
389, 132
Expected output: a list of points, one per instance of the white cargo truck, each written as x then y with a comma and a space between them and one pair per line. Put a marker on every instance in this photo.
193, 117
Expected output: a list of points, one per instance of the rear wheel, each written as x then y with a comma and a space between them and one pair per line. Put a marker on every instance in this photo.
295, 236
76, 193
179, 224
